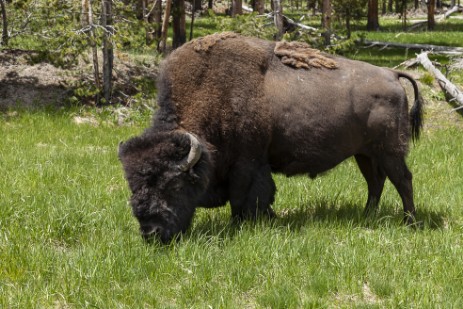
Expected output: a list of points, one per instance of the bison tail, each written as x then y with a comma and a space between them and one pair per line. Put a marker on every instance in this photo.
416, 112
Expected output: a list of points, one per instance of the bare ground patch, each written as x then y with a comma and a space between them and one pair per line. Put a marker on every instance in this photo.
439, 114
27, 82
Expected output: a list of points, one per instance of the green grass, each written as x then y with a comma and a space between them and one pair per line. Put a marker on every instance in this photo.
68, 239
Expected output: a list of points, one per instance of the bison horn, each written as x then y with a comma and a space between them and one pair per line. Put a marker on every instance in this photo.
193, 155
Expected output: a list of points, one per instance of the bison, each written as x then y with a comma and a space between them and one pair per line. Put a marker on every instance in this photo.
233, 110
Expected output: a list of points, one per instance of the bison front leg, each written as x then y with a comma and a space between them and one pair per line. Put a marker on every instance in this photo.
375, 177
252, 190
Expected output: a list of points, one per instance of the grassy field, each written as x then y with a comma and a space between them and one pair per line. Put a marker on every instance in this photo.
68, 239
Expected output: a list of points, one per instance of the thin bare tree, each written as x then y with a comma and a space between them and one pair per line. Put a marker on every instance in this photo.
108, 56
165, 26
326, 21
5, 36
87, 25
278, 18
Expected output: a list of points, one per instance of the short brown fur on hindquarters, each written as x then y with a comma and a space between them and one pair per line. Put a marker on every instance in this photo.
300, 55
205, 43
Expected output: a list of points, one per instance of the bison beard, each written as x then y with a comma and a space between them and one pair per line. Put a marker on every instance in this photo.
231, 112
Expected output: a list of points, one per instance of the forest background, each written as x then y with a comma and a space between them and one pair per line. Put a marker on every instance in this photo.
66, 33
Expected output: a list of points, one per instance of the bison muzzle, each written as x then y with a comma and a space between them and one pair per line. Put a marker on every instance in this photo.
234, 109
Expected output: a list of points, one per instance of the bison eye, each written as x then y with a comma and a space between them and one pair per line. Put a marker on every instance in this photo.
151, 181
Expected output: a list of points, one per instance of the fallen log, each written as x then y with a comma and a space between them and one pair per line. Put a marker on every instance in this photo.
434, 48
424, 23
417, 25
449, 88
289, 23
446, 15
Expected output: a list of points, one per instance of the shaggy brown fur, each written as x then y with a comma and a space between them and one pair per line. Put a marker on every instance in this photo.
205, 43
254, 115
300, 55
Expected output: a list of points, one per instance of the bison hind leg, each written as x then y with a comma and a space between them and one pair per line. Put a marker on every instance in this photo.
375, 177
252, 191
398, 173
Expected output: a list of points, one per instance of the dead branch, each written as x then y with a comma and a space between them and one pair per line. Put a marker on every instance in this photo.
449, 88
446, 15
289, 23
436, 49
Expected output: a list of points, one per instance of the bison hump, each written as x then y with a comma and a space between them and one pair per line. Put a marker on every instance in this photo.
300, 55
205, 43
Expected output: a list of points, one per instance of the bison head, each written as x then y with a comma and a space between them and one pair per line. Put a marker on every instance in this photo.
167, 173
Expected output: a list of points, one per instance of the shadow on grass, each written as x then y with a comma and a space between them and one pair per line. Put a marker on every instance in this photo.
326, 213
352, 215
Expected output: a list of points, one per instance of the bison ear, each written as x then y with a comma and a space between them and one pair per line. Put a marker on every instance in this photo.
193, 156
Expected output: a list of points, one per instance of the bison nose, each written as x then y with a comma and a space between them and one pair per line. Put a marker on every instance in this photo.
150, 232
155, 232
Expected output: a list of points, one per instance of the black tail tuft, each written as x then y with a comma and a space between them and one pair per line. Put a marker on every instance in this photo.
416, 118
416, 112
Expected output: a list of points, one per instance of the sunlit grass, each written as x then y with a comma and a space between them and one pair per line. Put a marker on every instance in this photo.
68, 239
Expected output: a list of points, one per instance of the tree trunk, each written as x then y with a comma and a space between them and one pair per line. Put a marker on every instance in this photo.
5, 36
258, 6
87, 21
157, 16
326, 21
165, 26
389, 6
197, 5
398, 6
193, 12
237, 8
404, 14
178, 23
278, 18
373, 19
431, 8
106, 23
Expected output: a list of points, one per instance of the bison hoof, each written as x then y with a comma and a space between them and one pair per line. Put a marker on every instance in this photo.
410, 221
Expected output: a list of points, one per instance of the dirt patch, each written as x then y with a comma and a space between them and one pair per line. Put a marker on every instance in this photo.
439, 114
26, 82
